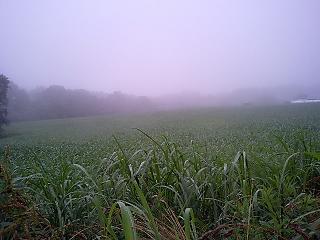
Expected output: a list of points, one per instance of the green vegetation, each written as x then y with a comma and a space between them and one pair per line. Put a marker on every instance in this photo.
4, 85
241, 173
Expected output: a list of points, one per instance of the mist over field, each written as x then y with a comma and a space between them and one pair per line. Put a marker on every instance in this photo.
81, 58
208, 51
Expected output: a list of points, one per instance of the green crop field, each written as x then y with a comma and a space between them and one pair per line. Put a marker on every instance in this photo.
233, 173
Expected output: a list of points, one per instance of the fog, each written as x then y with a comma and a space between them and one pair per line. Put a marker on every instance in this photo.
153, 48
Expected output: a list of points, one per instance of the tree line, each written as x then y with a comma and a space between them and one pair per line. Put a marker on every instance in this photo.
53, 102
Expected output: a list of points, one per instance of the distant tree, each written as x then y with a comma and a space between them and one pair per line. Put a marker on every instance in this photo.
18, 103
4, 85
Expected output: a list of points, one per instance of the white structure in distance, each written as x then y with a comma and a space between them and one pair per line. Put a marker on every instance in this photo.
306, 101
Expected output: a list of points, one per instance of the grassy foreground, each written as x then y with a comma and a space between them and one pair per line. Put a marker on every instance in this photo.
242, 173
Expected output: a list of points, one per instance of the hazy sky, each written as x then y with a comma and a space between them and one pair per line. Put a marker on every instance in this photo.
152, 47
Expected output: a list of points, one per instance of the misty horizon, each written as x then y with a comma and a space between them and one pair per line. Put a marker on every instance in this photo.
155, 48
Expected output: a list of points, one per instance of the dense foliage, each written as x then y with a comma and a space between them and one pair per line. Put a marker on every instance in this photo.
242, 173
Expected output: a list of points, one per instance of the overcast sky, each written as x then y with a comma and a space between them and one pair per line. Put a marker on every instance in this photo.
153, 47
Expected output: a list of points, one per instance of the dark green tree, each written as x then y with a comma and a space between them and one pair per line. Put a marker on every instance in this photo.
4, 85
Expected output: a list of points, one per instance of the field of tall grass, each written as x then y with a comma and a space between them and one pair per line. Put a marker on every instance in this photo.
238, 173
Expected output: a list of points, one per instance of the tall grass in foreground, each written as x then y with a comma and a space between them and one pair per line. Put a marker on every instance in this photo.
165, 191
